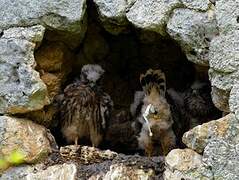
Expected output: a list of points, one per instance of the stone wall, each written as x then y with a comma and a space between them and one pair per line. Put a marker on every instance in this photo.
43, 43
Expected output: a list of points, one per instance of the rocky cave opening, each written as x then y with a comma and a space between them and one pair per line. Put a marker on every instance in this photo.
124, 57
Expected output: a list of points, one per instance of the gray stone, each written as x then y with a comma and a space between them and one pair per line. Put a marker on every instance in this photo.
121, 172
193, 31
113, 15
201, 5
185, 164
62, 171
152, 15
224, 65
31, 140
220, 99
221, 156
198, 137
62, 15
233, 100
227, 12
223, 81
224, 53
66, 16
22, 90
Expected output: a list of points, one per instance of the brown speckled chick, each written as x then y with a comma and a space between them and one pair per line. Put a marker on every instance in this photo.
85, 108
156, 136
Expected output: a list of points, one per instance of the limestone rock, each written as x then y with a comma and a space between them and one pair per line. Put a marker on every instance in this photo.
62, 171
185, 164
221, 156
227, 12
193, 31
64, 17
32, 140
151, 15
120, 172
22, 90
224, 64
220, 99
112, 14
198, 137
224, 53
201, 5
233, 100
221, 80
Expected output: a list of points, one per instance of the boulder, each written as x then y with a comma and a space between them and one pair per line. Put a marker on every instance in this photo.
185, 164
198, 137
220, 99
227, 12
112, 15
221, 157
200, 5
22, 90
193, 31
67, 18
62, 171
151, 15
33, 141
224, 64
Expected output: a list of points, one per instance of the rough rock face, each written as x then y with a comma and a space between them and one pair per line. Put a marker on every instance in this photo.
22, 90
151, 15
58, 16
54, 62
227, 15
224, 64
63, 172
198, 137
217, 141
185, 164
193, 31
32, 140
201, 5
82, 162
113, 15
221, 156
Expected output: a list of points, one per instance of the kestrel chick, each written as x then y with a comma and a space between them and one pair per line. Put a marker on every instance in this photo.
85, 107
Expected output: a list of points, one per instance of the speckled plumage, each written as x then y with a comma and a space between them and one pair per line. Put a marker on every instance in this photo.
85, 108
198, 104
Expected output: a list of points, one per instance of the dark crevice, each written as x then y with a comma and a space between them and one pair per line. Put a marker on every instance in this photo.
124, 57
